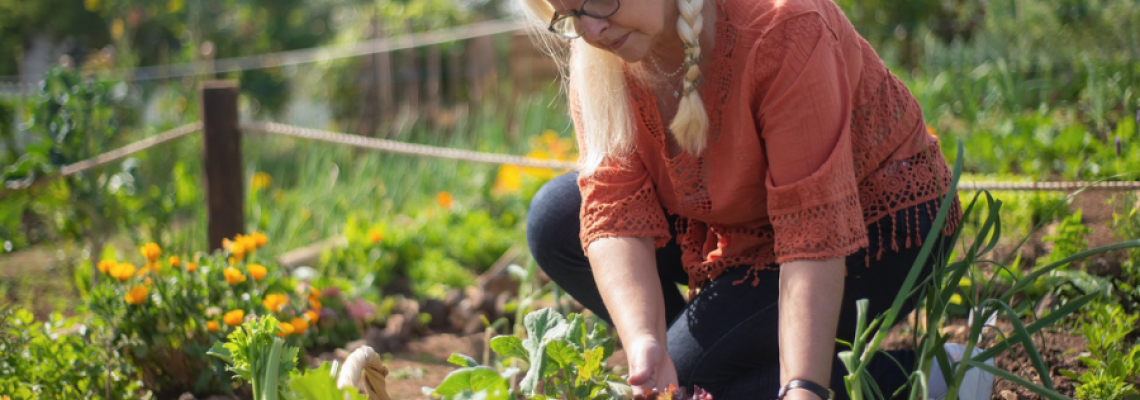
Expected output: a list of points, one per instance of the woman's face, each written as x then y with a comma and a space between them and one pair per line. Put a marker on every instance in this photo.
630, 33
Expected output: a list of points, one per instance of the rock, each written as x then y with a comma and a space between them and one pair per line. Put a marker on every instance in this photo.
1102, 266
438, 311
453, 297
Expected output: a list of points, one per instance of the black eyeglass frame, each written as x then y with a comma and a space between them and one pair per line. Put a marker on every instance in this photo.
579, 13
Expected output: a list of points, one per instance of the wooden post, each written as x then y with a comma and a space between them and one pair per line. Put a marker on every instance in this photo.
221, 161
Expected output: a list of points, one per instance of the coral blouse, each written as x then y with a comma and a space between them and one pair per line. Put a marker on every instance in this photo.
811, 139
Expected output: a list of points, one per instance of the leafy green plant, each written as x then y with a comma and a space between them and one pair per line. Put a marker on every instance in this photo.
1112, 365
256, 354
565, 358
60, 358
1069, 238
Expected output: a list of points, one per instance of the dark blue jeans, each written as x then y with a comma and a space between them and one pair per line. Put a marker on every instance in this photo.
726, 338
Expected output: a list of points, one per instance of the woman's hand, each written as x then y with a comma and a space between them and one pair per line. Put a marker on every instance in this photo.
650, 366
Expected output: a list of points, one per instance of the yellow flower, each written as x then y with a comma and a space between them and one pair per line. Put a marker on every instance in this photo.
137, 295
965, 282
509, 179
261, 180
151, 251
314, 294
175, 262
123, 271
106, 265
375, 236
191, 266
248, 243
257, 271
148, 281
274, 302
212, 326
444, 199
233, 276
259, 239
286, 329
299, 326
226, 243
233, 318
956, 299
237, 249
149, 267
315, 304
313, 316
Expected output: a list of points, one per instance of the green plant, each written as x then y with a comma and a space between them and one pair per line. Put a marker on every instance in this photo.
565, 358
1112, 365
946, 277
1069, 238
256, 354
60, 358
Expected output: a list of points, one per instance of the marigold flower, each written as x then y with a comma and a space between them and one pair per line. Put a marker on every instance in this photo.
444, 199
137, 295
956, 299
315, 304
151, 251
313, 316
233, 318
286, 329
106, 265
930, 130
257, 271
314, 294
212, 326
259, 239
191, 266
274, 302
175, 262
148, 268
123, 271
237, 249
375, 236
226, 243
233, 276
148, 281
509, 179
299, 326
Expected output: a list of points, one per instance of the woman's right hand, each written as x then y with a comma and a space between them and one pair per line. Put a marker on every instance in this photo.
650, 366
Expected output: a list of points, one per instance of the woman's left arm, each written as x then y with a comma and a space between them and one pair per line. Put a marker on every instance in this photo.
810, 295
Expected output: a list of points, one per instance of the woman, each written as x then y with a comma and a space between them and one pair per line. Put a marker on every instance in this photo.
758, 151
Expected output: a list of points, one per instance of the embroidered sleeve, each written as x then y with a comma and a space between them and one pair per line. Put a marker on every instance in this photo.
618, 199
803, 115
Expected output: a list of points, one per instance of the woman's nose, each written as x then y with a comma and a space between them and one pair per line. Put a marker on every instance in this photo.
594, 27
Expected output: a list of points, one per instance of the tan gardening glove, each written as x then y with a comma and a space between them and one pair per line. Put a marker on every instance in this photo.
364, 370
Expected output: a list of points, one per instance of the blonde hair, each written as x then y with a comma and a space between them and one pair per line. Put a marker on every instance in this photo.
599, 83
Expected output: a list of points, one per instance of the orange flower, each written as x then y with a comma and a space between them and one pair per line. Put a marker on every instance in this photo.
123, 271
237, 249
148, 281
314, 294
286, 329
313, 316
151, 251
257, 271
316, 304
106, 265
137, 295
233, 276
299, 326
226, 243
259, 239
148, 268
233, 318
191, 266
930, 130
444, 199
175, 262
274, 302
212, 326
375, 236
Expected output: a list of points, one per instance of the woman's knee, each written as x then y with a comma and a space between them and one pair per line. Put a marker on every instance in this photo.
552, 221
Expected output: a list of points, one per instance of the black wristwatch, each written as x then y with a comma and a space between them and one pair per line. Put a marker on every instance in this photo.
823, 392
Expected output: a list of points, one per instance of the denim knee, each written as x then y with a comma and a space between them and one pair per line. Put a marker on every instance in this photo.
552, 224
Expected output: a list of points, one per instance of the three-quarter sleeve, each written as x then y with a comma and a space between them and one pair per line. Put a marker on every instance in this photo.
803, 116
618, 199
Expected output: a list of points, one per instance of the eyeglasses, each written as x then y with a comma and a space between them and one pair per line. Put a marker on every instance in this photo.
570, 25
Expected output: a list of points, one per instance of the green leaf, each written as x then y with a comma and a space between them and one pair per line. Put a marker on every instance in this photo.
474, 380
319, 384
509, 346
592, 365
563, 354
462, 360
1003, 374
